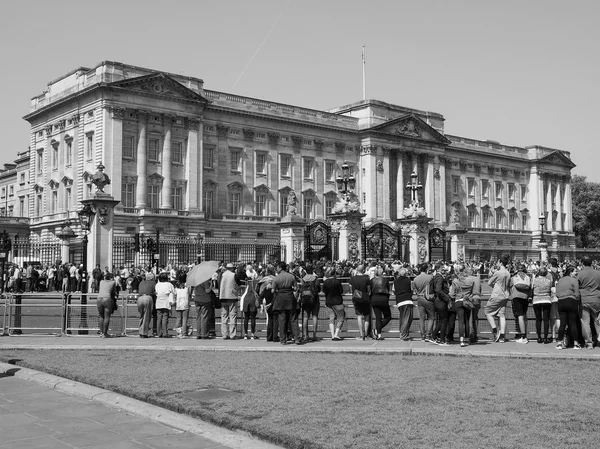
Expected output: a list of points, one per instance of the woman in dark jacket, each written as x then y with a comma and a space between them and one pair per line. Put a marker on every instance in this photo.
332, 288
404, 303
265, 296
569, 298
380, 302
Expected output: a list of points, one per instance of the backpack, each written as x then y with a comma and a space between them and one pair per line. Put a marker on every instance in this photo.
522, 285
307, 293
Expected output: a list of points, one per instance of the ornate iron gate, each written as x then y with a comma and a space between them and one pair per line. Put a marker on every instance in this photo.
35, 250
438, 245
317, 241
381, 241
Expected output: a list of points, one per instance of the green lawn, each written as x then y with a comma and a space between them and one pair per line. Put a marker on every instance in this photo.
302, 400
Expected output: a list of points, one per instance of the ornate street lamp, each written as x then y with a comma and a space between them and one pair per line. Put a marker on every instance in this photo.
346, 182
85, 220
542, 224
414, 186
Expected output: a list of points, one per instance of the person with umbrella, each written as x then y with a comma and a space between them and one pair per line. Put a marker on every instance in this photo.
200, 277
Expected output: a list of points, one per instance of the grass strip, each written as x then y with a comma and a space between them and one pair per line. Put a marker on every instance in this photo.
302, 400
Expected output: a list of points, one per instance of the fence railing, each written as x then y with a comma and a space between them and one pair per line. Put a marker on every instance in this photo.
77, 314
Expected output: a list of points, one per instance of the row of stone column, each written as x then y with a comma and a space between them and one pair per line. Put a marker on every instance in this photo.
142, 161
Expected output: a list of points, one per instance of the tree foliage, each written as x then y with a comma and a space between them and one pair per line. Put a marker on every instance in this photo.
586, 211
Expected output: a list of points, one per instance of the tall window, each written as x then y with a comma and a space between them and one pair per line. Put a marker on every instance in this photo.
455, 185
471, 187
177, 152
329, 170
308, 164
329, 203
55, 157
234, 203
153, 195
177, 198
261, 200
283, 204
236, 157
40, 161
485, 218
69, 152
128, 195
89, 145
54, 203
511, 192
68, 198
209, 157
523, 194
38, 206
22, 207
207, 201
524, 221
128, 147
307, 208
261, 163
485, 188
498, 190
511, 220
285, 163
11, 211
472, 217
153, 150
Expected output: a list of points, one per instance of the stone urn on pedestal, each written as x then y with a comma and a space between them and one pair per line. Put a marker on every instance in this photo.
292, 232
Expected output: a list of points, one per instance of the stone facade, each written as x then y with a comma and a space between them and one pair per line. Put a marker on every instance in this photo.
189, 161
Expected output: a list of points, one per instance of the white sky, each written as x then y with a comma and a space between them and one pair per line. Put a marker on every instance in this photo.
519, 72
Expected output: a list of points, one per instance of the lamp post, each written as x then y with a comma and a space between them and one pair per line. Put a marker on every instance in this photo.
346, 182
414, 186
543, 245
5, 247
85, 220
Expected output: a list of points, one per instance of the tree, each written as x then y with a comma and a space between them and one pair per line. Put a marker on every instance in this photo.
586, 211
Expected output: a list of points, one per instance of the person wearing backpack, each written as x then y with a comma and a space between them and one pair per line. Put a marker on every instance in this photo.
380, 302
309, 301
361, 292
425, 300
461, 291
520, 294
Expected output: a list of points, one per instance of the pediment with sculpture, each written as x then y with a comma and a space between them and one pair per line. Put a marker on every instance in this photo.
160, 84
410, 126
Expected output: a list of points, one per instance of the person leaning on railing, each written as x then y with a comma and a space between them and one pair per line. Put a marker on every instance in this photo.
333, 291
403, 292
567, 292
106, 303
145, 303
541, 290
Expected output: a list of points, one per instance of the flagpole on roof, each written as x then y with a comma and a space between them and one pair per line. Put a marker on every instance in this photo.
364, 79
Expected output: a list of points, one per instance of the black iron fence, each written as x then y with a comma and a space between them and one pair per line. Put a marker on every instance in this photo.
181, 250
44, 252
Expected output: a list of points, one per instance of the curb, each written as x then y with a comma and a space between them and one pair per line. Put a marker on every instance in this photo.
235, 440
371, 349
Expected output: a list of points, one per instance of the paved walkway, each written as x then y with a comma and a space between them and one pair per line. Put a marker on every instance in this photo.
38, 410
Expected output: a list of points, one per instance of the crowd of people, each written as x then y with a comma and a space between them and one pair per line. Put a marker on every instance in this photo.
565, 298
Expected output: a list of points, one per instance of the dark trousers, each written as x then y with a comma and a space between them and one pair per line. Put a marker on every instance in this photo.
568, 309
250, 317
163, 322
463, 316
405, 319
441, 309
272, 326
288, 317
474, 321
202, 319
542, 313
381, 310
